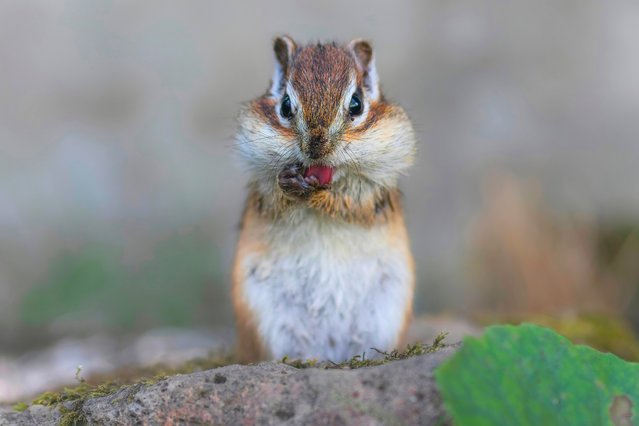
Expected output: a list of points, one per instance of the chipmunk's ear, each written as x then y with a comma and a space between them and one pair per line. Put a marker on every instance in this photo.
284, 47
363, 53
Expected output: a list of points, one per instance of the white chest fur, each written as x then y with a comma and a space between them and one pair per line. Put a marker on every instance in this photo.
327, 290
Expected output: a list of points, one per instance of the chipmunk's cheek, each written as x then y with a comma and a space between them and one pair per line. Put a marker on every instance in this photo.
324, 174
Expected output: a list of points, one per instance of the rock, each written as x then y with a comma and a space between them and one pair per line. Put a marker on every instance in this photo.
400, 392
34, 415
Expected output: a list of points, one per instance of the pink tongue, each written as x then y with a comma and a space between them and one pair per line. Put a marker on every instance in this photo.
323, 173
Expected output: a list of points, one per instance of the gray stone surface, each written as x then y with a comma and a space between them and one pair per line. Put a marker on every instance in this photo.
401, 392
35, 415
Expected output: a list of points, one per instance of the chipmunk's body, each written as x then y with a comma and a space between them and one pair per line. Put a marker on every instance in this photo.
323, 267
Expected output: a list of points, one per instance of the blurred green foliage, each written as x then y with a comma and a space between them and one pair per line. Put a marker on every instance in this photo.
172, 286
612, 237
606, 333
603, 331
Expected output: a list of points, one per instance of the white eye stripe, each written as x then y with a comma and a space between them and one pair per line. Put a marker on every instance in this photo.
349, 92
295, 100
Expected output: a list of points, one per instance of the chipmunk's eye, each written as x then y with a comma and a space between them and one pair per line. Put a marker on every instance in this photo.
355, 107
285, 108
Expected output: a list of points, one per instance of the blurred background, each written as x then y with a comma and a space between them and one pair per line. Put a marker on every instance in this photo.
120, 198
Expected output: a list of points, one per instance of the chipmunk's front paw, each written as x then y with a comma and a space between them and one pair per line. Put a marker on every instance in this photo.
295, 185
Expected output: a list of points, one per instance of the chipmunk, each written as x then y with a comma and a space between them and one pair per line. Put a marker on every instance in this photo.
323, 267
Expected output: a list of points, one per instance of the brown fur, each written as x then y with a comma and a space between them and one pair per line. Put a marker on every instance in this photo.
249, 347
374, 210
320, 74
401, 235
377, 209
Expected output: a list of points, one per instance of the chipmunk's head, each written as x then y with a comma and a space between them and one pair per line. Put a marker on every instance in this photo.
324, 109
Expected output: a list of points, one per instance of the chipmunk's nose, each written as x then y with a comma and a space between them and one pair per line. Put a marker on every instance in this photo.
317, 146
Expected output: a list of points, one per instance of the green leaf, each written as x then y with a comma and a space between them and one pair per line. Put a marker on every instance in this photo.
530, 375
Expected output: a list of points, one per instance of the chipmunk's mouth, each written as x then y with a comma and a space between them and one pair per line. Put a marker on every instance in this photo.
324, 174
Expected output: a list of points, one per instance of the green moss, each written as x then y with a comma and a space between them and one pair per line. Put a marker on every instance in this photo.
77, 393
359, 361
47, 399
72, 417
20, 406
76, 396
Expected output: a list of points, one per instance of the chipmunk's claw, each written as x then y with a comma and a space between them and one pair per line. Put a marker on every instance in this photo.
294, 185
315, 183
